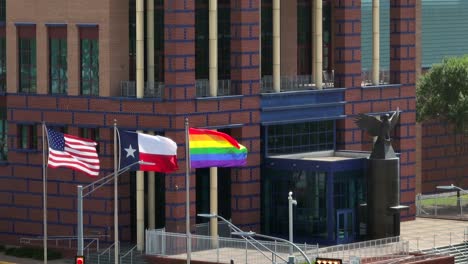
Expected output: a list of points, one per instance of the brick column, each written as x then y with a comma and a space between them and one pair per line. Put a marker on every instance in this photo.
179, 50
179, 74
245, 74
347, 54
403, 71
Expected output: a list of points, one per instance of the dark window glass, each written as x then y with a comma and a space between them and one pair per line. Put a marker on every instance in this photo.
89, 47
201, 39
2, 63
159, 40
203, 193
304, 37
58, 76
3, 134
310, 214
27, 59
303, 137
224, 39
90, 133
27, 137
2, 10
327, 36
267, 37
132, 40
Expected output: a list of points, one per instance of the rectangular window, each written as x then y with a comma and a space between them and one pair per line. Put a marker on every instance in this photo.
201, 39
27, 137
2, 59
159, 40
2, 10
301, 137
224, 39
267, 37
89, 58
90, 133
27, 58
3, 134
58, 77
304, 37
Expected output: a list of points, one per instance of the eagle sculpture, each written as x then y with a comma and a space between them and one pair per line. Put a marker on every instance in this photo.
381, 129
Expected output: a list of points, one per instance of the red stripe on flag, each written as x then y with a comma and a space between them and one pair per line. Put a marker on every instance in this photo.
162, 163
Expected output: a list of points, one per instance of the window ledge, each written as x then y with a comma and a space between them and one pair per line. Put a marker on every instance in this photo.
379, 86
219, 97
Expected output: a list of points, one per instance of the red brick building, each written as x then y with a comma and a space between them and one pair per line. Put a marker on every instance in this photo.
75, 66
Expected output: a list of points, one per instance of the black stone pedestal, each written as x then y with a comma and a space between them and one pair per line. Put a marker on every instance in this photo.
383, 198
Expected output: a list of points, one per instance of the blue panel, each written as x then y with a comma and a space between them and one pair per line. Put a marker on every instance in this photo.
286, 107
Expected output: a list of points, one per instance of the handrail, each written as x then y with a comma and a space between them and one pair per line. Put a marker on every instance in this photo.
27, 240
128, 252
105, 251
89, 245
363, 244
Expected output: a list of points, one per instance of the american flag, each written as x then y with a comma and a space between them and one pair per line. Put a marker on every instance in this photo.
72, 152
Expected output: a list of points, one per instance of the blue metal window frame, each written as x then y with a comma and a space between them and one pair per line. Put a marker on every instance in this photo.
329, 143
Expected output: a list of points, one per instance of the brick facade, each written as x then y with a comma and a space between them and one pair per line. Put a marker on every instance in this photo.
381, 98
21, 176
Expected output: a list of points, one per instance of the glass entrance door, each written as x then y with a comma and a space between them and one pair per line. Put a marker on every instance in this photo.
344, 226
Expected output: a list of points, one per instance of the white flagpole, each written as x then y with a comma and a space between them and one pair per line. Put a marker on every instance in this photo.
116, 204
187, 192
44, 188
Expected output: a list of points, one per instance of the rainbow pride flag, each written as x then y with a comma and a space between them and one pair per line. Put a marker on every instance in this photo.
209, 148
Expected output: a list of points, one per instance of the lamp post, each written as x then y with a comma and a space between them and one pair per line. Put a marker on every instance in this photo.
291, 202
251, 234
453, 187
90, 188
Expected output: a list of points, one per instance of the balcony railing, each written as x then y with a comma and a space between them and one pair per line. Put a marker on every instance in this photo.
203, 88
384, 77
297, 83
151, 89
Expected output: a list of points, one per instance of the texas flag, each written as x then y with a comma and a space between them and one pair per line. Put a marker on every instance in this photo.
160, 151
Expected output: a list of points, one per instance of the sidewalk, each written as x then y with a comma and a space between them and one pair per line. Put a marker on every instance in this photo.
424, 233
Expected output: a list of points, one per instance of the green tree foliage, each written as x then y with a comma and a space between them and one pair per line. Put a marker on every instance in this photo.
442, 93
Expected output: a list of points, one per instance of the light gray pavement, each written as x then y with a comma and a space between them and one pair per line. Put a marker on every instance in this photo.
422, 233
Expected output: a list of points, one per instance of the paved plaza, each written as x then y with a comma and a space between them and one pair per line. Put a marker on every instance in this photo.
422, 233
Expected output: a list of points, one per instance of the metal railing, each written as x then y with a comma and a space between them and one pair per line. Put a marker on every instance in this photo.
442, 205
202, 87
222, 249
151, 89
70, 241
204, 229
366, 75
108, 251
372, 248
437, 241
288, 83
128, 254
